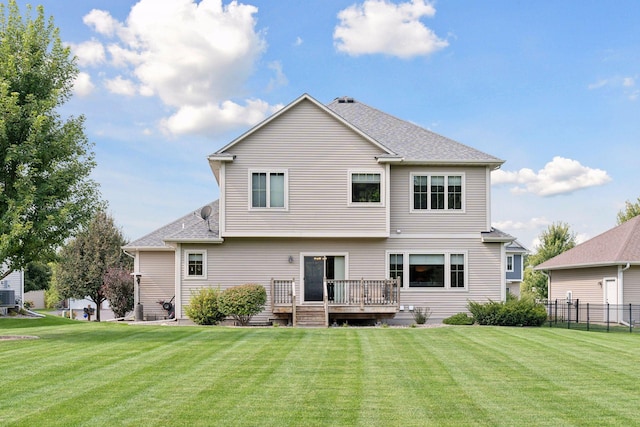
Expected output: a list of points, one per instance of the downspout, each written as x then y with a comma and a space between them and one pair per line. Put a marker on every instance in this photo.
621, 288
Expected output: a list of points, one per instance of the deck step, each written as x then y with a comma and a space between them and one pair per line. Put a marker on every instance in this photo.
310, 316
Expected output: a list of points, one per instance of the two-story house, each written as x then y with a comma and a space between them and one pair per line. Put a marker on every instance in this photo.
515, 266
339, 208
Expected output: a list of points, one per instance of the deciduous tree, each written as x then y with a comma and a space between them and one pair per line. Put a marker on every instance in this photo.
118, 288
45, 160
630, 210
556, 239
85, 260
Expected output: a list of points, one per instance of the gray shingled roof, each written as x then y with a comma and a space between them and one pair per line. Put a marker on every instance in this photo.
495, 235
516, 246
617, 246
405, 139
190, 227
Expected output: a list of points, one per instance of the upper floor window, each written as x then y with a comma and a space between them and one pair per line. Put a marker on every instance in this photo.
366, 187
509, 262
437, 192
268, 189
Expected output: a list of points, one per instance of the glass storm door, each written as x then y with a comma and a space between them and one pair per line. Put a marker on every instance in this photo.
313, 276
316, 268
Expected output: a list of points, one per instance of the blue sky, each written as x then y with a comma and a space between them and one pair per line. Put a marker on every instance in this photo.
552, 87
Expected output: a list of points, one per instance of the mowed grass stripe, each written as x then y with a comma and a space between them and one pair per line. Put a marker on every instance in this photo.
113, 374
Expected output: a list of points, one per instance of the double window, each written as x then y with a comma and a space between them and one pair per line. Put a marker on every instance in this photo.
437, 192
429, 270
268, 189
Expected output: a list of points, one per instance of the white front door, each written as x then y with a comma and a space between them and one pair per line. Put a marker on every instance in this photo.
611, 297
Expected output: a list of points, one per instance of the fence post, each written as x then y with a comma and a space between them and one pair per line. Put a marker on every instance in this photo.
607, 317
556, 309
588, 318
630, 320
577, 311
568, 314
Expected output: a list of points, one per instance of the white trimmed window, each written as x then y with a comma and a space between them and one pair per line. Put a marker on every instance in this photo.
365, 187
438, 192
429, 270
268, 189
196, 264
509, 262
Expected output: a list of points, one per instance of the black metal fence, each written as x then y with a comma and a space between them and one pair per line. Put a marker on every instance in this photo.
599, 317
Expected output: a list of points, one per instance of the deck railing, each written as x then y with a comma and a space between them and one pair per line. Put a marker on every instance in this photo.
363, 292
359, 292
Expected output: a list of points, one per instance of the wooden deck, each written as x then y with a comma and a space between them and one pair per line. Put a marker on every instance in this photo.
342, 299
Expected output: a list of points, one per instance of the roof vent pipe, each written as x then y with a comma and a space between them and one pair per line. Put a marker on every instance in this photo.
345, 100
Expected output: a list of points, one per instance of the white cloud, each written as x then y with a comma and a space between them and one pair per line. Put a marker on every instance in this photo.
89, 53
559, 176
196, 56
279, 79
102, 22
298, 41
626, 85
379, 26
216, 118
532, 224
82, 85
121, 86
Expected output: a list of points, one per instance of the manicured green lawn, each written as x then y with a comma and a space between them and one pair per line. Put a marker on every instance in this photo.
85, 373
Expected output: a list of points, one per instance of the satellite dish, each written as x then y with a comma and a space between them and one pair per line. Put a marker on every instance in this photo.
205, 212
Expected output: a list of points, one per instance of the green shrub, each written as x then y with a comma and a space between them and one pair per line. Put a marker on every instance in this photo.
204, 308
243, 302
459, 319
515, 312
421, 315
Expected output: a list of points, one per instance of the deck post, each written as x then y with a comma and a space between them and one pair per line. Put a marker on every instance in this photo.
293, 302
362, 293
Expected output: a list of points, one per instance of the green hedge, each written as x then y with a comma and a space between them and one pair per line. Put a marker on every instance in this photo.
514, 312
459, 319
243, 302
203, 308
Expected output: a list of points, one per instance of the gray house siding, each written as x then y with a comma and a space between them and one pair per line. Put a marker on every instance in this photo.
632, 285
473, 219
516, 274
253, 260
317, 154
157, 282
585, 284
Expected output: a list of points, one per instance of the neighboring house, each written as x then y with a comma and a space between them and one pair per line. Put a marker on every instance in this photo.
354, 213
12, 289
514, 266
602, 270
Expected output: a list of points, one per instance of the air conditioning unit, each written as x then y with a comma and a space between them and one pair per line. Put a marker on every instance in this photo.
7, 297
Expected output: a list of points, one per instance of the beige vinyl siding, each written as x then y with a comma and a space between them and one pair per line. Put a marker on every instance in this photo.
252, 260
473, 219
632, 285
584, 283
317, 152
484, 276
157, 282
